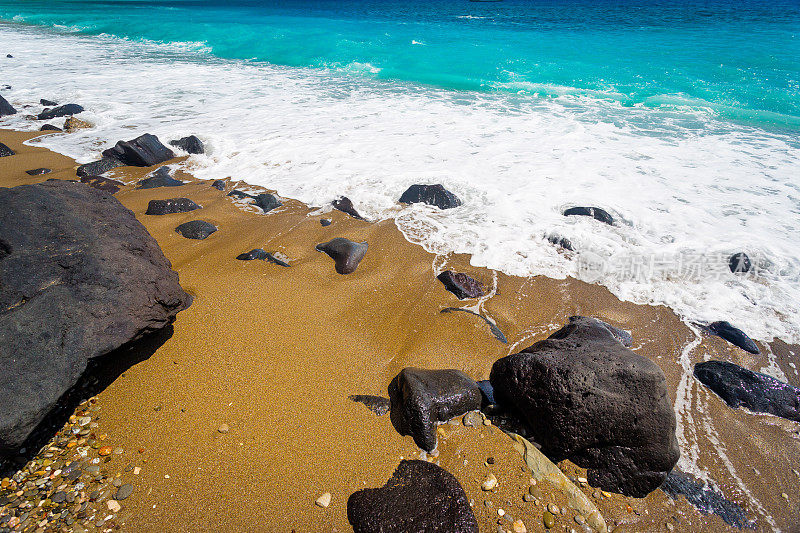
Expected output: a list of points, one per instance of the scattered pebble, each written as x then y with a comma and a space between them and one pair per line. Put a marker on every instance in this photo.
105, 450
472, 419
553, 508
113, 506
324, 501
223, 428
487, 422
501, 512
580, 519
519, 527
669, 526
136, 471
529, 497
549, 520
489, 483
124, 491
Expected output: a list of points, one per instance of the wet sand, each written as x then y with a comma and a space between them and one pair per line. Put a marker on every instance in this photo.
275, 352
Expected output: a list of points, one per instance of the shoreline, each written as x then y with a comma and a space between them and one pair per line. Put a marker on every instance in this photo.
275, 352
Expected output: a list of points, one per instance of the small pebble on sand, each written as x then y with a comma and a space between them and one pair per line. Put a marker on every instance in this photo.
548, 519
105, 450
553, 508
223, 428
136, 471
113, 506
501, 512
324, 500
489, 483
124, 491
519, 527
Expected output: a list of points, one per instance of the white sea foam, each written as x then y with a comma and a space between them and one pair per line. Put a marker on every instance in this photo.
678, 181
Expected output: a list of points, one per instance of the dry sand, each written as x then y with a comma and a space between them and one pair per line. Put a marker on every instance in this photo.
275, 352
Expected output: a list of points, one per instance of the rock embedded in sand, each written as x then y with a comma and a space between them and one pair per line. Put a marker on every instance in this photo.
261, 254
6, 108
739, 263
38, 171
60, 111
594, 212
377, 404
345, 253
101, 166
740, 387
5, 151
586, 397
420, 496
422, 398
461, 285
113, 506
219, 185
143, 151
519, 527
102, 184
706, 498
733, 335
473, 419
489, 483
196, 229
430, 194
170, 206
190, 145
345, 205
549, 520
159, 178
325, 222
324, 500
82, 278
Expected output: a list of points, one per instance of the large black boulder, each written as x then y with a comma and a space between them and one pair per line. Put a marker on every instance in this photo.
159, 178
170, 206
101, 166
594, 212
733, 335
419, 497
740, 387
143, 151
60, 111
79, 277
5, 151
586, 397
190, 144
345, 253
430, 194
6, 108
422, 398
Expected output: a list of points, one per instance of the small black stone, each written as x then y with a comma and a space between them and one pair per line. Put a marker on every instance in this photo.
560, 241
196, 229
219, 185
733, 335
190, 144
5, 151
325, 222
345, 205
594, 212
95, 168
430, 194
173, 205
50, 127
47, 103
263, 255
345, 253
38, 171
377, 404
739, 263
6, 108
143, 151
159, 178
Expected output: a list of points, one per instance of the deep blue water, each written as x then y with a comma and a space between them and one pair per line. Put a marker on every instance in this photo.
739, 58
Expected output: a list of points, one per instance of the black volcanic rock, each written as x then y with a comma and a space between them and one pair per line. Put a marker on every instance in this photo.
102, 184
196, 229
6, 108
419, 497
706, 498
47, 103
263, 255
266, 201
740, 387
586, 397
95, 168
5, 151
219, 185
60, 111
168, 207
159, 178
430, 194
143, 151
461, 285
79, 278
50, 127
345, 253
560, 241
422, 398
594, 212
739, 263
190, 144
733, 335
38, 171
345, 205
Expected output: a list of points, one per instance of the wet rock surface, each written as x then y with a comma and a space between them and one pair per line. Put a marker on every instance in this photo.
6, 108
170, 206
462, 285
60, 111
101, 166
421, 398
5, 151
707, 499
143, 151
430, 194
596, 213
159, 178
419, 496
345, 253
739, 263
49, 127
190, 144
733, 335
263, 255
196, 229
377, 404
740, 387
585, 397
82, 277
345, 205
38, 171
266, 201
103, 184
219, 185
48, 103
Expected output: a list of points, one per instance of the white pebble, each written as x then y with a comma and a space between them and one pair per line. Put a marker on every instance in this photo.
324, 500
489, 483
113, 506
501, 512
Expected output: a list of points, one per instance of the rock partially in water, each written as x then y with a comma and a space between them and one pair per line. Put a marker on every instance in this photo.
345, 253
740, 387
377, 404
38, 171
266, 201
196, 229
48, 103
707, 499
5, 151
430, 194
461, 285
492, 326
345, 205
81, 279
219, 185
595, 212
143, 151
103, 184
190, 145
586, 397
60, 111
420, 496
560, 241
96, 168
50, 127
159, 178
6, 108
422, 398
733, 335
263, 255
73, 124
168, 207
325, 222
739, 263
